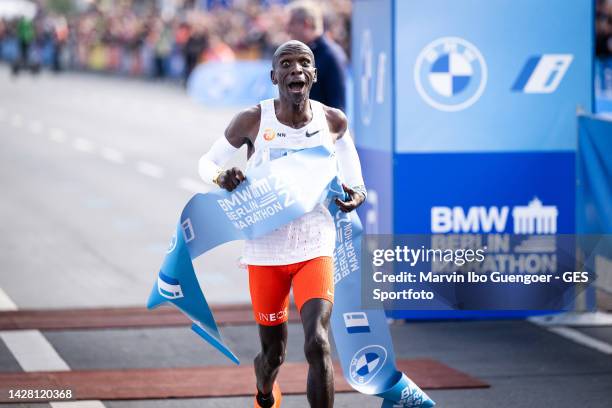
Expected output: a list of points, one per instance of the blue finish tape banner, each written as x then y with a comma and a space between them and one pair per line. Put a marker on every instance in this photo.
274, 194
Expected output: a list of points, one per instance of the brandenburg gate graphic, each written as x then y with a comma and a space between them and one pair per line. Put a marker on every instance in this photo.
535, 218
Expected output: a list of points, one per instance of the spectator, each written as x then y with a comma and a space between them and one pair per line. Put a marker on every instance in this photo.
25, 36
218, 51
162, 45
194, 48
60, 37
306, 25
603, 29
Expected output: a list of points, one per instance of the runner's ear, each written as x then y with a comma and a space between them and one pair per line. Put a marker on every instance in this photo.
273, 78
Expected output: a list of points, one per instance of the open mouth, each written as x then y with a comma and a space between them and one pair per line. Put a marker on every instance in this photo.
297, 86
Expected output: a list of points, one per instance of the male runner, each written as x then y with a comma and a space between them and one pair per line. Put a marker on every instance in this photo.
298, 254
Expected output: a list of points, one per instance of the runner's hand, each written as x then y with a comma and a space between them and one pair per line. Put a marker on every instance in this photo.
230, 179
355, 199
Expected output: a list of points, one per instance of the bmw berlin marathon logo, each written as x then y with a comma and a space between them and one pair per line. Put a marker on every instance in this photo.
366, 363
450, 74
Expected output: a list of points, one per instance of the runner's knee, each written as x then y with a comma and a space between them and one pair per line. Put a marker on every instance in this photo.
316, 346
274, 358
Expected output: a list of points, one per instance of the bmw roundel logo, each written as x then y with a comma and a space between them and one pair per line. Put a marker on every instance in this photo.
366, 363
450, 74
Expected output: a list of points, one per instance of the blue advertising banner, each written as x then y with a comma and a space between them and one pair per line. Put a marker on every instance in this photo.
239, 83
492, 76
603, 85
373, 109
483, 113
594, 192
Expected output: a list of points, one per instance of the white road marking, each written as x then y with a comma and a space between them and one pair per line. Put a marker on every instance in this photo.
35, 127
193, 186
112, 155
32, 351
83, 145
57, 135
77, 404
149, 169
6, 303
583, 339
16, 120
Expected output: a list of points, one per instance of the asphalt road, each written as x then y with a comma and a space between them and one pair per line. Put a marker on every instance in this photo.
94, 171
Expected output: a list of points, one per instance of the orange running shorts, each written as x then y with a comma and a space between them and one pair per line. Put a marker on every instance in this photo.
270, 286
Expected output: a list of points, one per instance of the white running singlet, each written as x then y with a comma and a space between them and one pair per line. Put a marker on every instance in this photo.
313, 234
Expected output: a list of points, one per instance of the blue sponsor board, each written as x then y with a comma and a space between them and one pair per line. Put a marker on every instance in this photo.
373, 110
594, 192
483, 134
461, 87
485, 192
239, 83
603, 85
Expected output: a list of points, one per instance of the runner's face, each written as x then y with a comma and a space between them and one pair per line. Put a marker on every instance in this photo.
294, 73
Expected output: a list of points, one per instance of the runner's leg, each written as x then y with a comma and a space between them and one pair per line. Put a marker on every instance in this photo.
272, 354
269, 287
315, 319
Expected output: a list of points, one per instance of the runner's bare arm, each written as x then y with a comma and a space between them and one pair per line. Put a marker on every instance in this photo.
337, 122
348, 160
242, 130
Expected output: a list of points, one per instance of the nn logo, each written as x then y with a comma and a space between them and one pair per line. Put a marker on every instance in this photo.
542, 73
534, 218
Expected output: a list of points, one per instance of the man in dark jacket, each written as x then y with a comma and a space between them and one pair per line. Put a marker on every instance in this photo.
306, 25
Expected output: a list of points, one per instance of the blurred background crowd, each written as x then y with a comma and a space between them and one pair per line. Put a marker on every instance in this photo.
168, 38
151, 38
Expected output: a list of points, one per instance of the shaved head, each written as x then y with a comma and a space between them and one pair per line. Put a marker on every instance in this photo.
291, 47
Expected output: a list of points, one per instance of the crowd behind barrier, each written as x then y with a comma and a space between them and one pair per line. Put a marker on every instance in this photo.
142, 41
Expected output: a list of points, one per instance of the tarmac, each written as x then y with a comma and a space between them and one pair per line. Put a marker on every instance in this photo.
94, 172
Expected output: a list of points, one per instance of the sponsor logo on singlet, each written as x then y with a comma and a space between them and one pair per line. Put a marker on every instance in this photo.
269, 134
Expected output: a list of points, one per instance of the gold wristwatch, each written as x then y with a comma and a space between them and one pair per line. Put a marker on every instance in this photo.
216, 178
